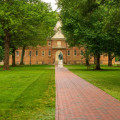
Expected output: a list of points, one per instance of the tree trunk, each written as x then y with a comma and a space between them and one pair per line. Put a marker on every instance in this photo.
87, 62
87, 56
22, 56
94, 59
13, 57
7, 49
97, 61
110, 58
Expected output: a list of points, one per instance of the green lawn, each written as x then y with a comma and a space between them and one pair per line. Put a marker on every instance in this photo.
27, 93
107, 79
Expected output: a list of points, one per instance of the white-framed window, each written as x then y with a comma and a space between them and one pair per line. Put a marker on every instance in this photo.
30, 53
43, 53
75, 52
36, 53
68, 53
49, 43
17, 53
58, 43
81, 52
49, 52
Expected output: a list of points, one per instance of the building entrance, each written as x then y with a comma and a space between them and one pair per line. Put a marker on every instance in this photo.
57, 55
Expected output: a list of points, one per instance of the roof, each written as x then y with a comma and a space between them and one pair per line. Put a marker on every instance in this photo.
58, 35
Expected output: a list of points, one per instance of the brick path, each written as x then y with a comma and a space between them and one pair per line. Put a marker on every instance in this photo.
77, 99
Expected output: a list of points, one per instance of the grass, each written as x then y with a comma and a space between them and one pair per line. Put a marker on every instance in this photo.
27, 93
107, 79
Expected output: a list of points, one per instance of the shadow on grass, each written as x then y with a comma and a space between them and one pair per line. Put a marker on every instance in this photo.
28, 67
20, 102
30, 103
40, 65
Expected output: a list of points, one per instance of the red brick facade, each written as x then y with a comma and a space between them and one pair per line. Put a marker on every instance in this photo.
49, 54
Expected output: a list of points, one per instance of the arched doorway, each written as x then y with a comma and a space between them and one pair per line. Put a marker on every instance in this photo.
57, 56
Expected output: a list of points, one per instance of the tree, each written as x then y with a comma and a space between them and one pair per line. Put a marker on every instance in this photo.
83, 24
1, 44
22, 17
41, 32
112, 28
87, 56
1, 53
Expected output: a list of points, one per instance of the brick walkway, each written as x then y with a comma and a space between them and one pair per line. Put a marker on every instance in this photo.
77, 99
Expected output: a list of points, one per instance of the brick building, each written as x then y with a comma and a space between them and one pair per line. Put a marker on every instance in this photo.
49, 54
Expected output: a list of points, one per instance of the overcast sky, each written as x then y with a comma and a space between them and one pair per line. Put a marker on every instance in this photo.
52, 2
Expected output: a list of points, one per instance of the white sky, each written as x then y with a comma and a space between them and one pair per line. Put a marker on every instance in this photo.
52, 2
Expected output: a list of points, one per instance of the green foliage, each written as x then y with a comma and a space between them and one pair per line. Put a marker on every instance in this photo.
1, 53
112, 26
28, 23
82, 24
25, 23
93, 24
34, 32
1, 31
117, 58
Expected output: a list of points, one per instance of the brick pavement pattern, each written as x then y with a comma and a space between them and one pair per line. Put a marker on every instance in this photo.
76, 99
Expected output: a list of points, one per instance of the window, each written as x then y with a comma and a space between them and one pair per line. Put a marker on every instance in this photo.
81, 52
68, 52
58, 43
36, 53
49, 43
43, 53
49, 53
75, 52
17, 53
30, 53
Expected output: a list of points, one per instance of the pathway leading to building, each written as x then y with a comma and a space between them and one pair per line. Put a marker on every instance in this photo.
77, 99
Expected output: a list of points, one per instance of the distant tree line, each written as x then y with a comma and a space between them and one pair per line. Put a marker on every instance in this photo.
24, 23
93, 24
